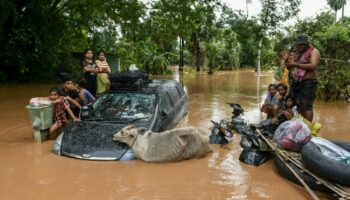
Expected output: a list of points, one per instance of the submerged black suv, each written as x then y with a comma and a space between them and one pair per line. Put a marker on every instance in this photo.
157, 105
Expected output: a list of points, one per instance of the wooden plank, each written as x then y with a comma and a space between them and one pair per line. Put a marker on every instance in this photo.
313, 195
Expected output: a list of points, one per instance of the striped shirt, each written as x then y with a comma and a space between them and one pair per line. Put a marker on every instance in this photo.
103, 65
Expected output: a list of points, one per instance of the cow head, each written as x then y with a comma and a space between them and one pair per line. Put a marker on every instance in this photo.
126, 135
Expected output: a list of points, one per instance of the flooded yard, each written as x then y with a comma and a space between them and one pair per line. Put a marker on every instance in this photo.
29, 170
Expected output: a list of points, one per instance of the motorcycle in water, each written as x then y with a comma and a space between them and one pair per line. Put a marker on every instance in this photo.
255, 151
220, 133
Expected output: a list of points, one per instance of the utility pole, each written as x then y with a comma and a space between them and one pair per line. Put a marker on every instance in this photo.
181, 61
259, 58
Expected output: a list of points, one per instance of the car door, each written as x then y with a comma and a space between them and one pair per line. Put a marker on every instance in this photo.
166, 111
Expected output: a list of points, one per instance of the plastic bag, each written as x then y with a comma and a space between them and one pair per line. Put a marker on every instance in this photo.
39, 102
314, 127
331, 150
254, 157
292, 135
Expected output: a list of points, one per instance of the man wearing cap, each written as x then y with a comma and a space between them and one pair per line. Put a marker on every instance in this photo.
304, 71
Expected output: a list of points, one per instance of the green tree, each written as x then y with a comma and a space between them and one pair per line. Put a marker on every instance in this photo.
337, 5
204, 30
273, 13
39, 37
180, 16
248, 33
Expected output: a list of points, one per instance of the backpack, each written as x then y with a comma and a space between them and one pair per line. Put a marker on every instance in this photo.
129, 80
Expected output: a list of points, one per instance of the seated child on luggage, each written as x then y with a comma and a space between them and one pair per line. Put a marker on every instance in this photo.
281, 96
270, 105
286, 113
59, 111
290, 108
281, 106
86, 97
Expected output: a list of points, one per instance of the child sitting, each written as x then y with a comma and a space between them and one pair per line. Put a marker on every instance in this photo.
59, 114
290, 108
86, 99
271, 102
286, 113
281, 96
71, 94
85, 96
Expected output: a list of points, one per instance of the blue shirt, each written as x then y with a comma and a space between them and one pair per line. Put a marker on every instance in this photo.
88, 98
271, 100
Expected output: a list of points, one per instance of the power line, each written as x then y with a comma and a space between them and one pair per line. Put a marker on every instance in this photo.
342, 61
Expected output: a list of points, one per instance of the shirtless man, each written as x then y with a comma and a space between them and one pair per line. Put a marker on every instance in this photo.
304, 70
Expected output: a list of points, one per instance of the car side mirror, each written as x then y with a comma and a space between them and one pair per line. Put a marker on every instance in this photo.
164, 114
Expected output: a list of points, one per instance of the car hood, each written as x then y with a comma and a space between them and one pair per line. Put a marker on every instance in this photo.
93, 140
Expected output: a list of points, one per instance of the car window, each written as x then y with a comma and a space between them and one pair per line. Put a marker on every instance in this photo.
124, 105
174, 95
165, 104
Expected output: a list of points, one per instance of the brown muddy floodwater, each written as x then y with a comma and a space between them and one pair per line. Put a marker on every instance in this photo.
29, 170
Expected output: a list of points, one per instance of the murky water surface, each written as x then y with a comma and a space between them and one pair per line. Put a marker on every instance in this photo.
30, 171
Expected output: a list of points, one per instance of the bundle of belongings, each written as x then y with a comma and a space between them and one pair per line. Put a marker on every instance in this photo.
292, 135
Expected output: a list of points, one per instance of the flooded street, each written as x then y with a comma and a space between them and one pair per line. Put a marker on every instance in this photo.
29, 170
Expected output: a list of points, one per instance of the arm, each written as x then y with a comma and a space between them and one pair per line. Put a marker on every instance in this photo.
73, 102
97, 69
75, 119
88, 69
287, 114
107, 69
91, 99
315, 58
81, 96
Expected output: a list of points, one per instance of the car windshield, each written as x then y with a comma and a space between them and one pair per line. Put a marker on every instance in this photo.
124, 106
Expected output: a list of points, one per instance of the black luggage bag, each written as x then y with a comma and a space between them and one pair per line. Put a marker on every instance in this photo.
129, 80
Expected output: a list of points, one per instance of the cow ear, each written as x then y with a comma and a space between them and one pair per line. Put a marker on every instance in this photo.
141, 131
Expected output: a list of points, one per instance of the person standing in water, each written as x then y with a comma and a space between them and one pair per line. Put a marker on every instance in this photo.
90, 69
304, 70
103, 82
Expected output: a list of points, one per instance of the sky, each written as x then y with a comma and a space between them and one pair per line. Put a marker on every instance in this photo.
308, 8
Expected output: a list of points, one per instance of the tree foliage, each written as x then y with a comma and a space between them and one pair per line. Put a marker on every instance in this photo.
39, 38
332, 39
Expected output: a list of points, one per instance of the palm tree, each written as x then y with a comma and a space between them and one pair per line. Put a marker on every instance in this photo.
343, 5
336, 5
